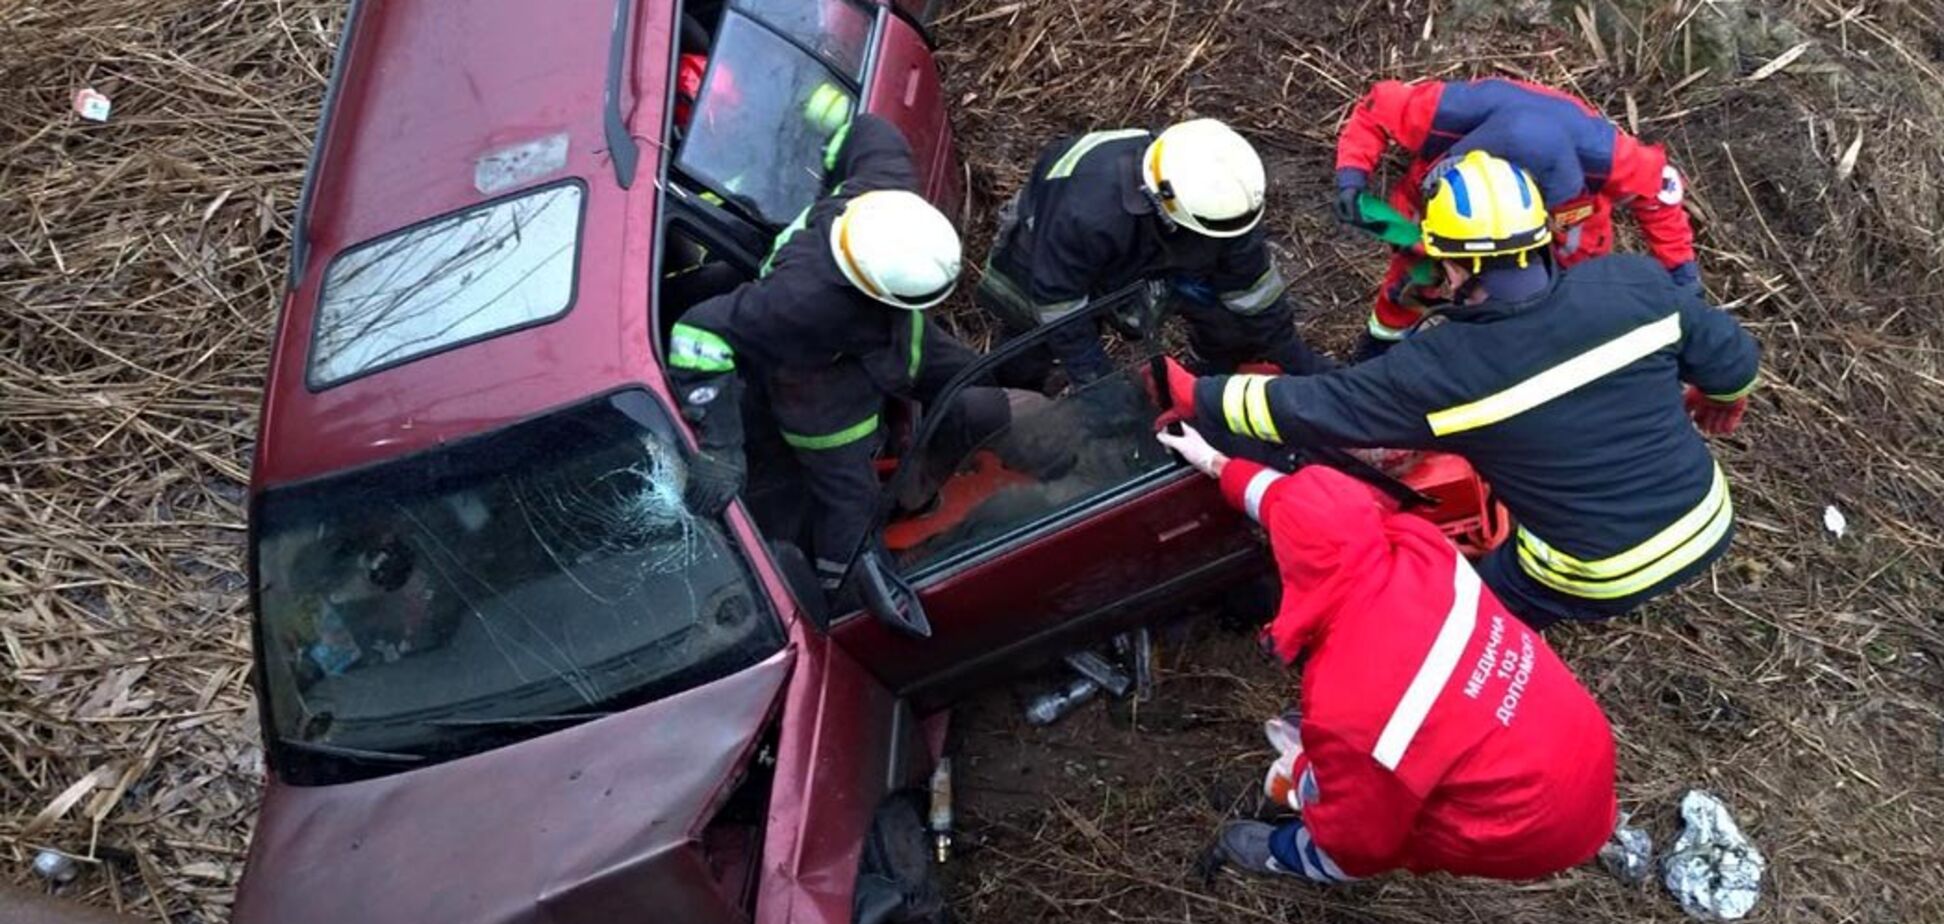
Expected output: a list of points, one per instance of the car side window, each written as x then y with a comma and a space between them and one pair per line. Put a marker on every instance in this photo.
1048, 458
839, 31
766, 111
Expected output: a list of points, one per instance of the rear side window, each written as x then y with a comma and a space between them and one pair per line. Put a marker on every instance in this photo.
766, 112
839, 31
463, 277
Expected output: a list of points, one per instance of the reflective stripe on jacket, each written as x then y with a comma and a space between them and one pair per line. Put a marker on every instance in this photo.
803, 318
1441, 732
1568, 404
1084, 228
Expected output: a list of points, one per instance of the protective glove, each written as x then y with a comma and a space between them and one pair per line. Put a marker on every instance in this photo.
1194, 450
1715, 418
1174, 393
714, 479
1349, 185
1346, 210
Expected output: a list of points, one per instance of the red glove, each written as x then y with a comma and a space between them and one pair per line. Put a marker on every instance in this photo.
1176, 395
1715, 418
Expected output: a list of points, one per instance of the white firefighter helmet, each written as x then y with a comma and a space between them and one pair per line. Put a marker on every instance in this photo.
1206, 178
895, 247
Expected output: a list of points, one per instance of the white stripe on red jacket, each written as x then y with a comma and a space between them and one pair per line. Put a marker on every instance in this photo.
1443, 733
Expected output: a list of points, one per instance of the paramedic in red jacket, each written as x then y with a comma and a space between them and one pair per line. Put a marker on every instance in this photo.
1585, 165
1438, 732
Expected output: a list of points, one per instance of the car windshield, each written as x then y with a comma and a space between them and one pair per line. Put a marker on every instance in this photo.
494, 589
765, 113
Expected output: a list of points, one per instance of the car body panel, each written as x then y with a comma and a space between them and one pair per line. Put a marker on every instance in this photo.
905, 90
429, 87
592, 822
1098, 560
830, 775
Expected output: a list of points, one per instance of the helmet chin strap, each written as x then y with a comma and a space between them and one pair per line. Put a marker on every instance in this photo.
1159, 201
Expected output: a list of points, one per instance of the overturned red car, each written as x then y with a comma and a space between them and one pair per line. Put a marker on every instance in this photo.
505, 674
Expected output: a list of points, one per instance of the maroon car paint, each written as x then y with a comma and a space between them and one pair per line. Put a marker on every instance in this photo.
829, 778
428, 87
513, 834
905, 89
592, 823
1078, 569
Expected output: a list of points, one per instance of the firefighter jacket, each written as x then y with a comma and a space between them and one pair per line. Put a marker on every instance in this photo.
1084, 226
1576, 155
828, 352
1438, 732
1569, 404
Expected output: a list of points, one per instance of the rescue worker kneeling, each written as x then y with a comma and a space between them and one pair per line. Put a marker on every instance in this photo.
1437, 732
1562, 389
1181, 210
835, 324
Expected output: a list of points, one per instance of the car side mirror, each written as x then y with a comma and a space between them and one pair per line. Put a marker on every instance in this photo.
888, 597
796, 570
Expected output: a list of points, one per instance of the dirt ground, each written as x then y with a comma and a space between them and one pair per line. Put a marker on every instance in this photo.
1802, 680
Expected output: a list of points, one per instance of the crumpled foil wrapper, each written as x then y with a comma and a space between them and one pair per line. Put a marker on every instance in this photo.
1629, 854
1713, 870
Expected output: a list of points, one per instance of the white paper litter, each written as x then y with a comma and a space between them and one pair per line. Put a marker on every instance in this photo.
92, 104
1713, 870
1834, 521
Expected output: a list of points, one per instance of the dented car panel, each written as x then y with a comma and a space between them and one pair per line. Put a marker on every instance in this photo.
592, 823
829, 777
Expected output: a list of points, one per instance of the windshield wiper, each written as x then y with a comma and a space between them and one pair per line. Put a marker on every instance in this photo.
338, 750
504, 720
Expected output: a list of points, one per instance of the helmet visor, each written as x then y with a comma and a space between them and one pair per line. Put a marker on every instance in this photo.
1227, 227
921, 300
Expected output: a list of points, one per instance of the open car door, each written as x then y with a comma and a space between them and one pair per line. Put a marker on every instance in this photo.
1068, 523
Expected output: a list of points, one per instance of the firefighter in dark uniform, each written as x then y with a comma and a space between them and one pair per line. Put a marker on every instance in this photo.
1180, 209
834, 325
1564, 390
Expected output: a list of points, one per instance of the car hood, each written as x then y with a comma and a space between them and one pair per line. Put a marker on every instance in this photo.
589, 824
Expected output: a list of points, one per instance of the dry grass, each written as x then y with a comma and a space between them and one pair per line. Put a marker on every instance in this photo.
139, 280
1804, 680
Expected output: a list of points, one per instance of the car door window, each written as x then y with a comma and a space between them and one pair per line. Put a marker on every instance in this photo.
765, 114
1054, 458
839, 31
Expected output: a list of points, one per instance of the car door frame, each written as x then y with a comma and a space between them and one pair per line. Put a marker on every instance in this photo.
1116, 559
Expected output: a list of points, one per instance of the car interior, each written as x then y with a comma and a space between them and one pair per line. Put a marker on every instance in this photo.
719, 218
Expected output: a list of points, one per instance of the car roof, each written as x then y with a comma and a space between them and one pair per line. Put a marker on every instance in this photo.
424, 88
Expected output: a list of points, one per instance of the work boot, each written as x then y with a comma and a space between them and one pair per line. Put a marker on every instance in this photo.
1244, 845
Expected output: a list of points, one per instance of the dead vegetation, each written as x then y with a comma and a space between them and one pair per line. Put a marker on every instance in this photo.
141, 269
139, 278
1803, 681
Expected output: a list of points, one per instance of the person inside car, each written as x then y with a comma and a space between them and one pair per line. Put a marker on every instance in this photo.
835, 324
1437, 732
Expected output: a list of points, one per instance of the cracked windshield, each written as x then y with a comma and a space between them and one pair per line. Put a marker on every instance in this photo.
537, 575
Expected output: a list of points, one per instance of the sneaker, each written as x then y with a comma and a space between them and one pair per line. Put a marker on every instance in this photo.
1245, 846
